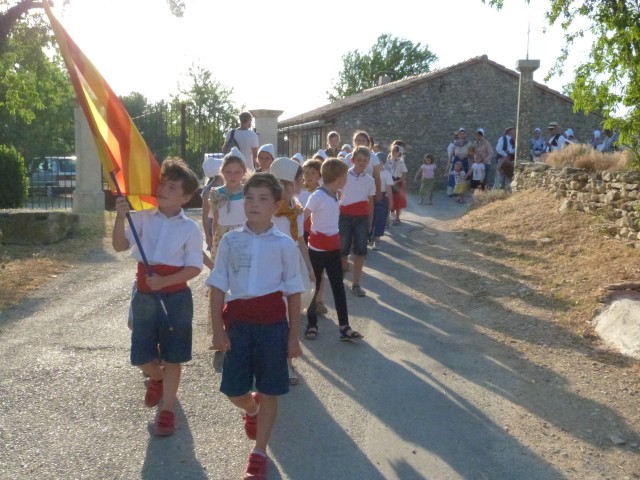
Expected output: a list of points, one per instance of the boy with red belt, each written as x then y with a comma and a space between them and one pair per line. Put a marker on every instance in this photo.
324, 246
162, 306
256, 266
356, 215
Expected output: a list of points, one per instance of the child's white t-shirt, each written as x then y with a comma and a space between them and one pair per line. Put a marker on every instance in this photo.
385, 180
478, 171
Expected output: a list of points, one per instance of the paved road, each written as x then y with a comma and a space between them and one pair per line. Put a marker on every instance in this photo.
420, 398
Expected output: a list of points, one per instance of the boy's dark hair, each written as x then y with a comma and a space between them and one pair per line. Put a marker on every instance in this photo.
176, 169
312, 163
361, 150
333, 134
332, 169
264, 179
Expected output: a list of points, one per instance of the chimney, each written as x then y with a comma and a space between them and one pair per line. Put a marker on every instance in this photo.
384, 79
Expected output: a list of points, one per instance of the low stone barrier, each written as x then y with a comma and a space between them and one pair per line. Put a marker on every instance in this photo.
36, 228
613, 196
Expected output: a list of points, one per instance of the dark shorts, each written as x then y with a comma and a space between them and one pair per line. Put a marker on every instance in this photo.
354, 232
155, 334
258, 352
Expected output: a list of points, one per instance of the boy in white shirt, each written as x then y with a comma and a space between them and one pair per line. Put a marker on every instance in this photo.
324, 246
356, 215
162, 306
256, 266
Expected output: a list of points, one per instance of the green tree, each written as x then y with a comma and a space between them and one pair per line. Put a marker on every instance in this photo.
397, 58
210, 113
135, 103
36, 97
13, 179
609, 80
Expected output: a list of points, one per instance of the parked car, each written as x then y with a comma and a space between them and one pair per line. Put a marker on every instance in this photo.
53, 175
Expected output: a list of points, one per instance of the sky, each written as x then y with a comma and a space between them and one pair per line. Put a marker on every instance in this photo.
286, 54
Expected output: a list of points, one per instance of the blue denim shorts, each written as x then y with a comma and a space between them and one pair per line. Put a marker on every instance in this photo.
354, 231
258, 352
155, 334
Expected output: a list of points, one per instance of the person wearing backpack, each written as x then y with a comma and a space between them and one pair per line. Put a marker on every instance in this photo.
505, 152
245, 139
556, 139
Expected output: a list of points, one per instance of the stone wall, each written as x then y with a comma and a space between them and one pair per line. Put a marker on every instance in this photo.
481, 95
613, 196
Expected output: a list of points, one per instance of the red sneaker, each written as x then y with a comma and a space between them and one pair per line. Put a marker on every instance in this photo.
165, 423
251, 421
256, 467
154, 393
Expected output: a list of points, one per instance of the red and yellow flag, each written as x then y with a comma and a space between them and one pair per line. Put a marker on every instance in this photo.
121, 148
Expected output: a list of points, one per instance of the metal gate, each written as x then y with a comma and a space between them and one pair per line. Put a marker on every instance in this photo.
305, 139
179, 130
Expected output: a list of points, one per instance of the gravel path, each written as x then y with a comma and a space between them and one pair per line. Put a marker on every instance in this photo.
450, 382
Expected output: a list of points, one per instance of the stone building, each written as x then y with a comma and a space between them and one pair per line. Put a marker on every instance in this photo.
425, 110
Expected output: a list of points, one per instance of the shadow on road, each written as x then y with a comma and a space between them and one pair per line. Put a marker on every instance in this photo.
174, 456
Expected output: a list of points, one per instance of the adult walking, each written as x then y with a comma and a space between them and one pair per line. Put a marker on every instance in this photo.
245, 139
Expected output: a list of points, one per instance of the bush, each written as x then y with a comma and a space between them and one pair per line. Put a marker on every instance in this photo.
13, 178
586, 157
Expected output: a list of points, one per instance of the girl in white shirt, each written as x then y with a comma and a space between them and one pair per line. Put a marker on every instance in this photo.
227, 201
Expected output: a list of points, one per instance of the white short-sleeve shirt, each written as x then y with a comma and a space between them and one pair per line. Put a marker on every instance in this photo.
325, 212
251, 265
175, 241
358, 188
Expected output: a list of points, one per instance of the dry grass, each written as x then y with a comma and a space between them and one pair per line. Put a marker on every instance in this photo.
482, 198
564, 252
23, 269
585, 157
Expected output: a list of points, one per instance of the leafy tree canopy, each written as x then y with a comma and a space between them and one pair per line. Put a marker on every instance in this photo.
397, 58
609, 80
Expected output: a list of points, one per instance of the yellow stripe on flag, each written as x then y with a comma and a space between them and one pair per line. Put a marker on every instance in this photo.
121, 148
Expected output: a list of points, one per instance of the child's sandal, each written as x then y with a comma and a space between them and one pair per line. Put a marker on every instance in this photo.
311, 332
348, 333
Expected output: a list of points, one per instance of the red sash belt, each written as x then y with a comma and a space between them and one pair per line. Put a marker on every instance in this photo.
357, 209
324, 242
162, 271
264, 310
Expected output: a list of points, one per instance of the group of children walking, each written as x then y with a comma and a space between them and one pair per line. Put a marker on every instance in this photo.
271, 237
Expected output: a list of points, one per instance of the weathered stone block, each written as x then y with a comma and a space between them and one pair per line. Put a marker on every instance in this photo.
611, 196
37, 228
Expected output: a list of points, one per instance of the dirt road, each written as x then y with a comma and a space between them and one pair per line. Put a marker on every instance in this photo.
462, 375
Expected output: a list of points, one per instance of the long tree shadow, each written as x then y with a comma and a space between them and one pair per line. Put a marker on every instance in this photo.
451, 333
447, 431
309, 442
